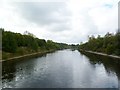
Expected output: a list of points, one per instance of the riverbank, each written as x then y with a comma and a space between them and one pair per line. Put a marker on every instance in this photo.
0, 54
28, 55
103, 54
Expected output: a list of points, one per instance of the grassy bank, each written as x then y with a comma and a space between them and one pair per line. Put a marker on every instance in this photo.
102, 54
20, 52
14, 56
0, 55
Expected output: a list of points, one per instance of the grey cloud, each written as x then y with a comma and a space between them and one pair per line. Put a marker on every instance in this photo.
43, 13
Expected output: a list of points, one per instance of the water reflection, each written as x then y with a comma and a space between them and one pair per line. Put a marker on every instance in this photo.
62, 69
8, 71
111, 65
16, 71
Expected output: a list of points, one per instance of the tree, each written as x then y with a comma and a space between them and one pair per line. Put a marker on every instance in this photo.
13, 42
109, 44
8, 42
117, 44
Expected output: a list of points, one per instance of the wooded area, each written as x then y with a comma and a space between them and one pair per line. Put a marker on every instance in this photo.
15, 44
109, 44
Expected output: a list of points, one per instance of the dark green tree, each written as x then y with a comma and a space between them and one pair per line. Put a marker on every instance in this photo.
8, 42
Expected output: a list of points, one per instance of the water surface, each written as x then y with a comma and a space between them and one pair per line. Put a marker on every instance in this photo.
62, 69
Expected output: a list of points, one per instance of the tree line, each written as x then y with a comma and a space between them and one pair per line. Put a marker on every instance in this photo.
110, 44
16, 42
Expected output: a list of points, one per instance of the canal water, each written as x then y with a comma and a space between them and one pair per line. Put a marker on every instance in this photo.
62, 69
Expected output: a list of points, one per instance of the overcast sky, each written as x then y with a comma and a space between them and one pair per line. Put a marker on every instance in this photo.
68, 21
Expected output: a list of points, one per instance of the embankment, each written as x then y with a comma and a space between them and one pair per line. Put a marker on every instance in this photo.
102, 54
28, 55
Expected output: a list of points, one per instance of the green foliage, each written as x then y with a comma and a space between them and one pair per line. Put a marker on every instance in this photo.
109, 44
16, 43
110, 49
41, 43
1, 38
9, 42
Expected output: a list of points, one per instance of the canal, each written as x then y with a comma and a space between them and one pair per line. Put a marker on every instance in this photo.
62, 69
